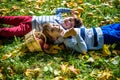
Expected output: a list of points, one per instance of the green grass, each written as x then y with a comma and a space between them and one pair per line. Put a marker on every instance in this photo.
91, 66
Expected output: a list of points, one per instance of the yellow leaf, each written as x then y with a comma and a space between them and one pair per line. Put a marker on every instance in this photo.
80, 9
6, 56
90, 14
105, 75
36, 70
28, 71
60, 78
70, 32
116, 19
37, 7
101, 23
80, 1
70, 4
54, 49
40, 1
106, 51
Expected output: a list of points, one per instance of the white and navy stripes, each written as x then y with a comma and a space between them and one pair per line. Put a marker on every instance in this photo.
93, 37
38, 21
86, 39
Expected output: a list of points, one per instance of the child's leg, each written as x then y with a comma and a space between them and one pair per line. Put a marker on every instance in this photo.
14, 20
111, 33
19, 30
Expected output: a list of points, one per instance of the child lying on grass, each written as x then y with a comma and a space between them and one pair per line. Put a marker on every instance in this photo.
21, 25
83, 39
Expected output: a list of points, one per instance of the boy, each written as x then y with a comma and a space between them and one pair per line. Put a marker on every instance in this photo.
24, 24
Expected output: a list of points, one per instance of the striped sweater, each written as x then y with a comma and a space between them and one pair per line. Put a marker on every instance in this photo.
38, 21
86, 39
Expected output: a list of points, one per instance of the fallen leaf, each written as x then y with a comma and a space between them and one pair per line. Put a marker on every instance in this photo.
28, 71
80, 1
80, 9
60, 78
118, 78
90, 59
105, 75
64, 68
74, 70
6, 56
106, 51
15, 7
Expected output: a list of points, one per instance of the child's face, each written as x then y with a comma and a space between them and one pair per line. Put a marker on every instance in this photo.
55, 31
69, 22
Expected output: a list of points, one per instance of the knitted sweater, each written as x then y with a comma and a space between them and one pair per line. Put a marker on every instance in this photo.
38, 21
86, 39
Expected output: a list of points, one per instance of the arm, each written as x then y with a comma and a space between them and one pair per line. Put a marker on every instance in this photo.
81, 45
62, 10
76, 42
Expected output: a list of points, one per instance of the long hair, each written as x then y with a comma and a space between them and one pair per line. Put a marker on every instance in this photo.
46, 29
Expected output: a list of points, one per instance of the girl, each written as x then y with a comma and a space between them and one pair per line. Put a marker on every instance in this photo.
83, 39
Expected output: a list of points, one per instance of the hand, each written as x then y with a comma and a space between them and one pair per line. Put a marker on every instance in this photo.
74, 13
70, 32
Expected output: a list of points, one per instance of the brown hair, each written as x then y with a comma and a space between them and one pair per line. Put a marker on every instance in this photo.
46, 29
78, 23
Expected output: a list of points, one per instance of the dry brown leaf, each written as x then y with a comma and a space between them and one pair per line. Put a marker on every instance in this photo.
69, 69
74, 70
64, 68
15, 7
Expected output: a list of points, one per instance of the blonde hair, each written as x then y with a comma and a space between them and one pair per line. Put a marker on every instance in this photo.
46, 29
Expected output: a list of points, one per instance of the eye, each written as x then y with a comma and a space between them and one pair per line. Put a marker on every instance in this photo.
71, 20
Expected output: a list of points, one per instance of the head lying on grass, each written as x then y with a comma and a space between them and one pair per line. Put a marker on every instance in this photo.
83, 39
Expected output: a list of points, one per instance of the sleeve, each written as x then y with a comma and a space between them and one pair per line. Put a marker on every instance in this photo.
59, 40
81, 44
76, 43
62, 10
